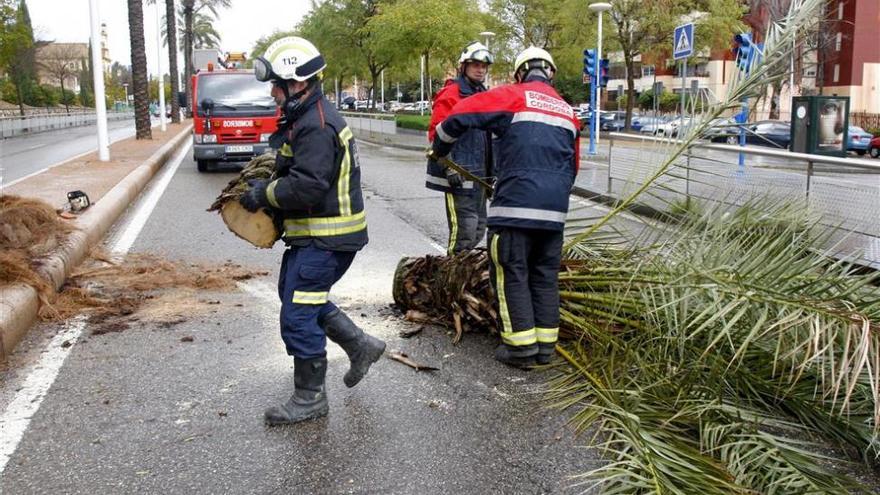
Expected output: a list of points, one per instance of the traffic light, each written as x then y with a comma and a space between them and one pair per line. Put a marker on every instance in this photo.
590, 62
743, 50
603, 73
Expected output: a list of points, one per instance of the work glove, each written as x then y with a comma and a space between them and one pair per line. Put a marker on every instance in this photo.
440, 148
455, 179
255, 197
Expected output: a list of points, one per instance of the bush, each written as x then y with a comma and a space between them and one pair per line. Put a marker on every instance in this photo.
417, 122
875, 131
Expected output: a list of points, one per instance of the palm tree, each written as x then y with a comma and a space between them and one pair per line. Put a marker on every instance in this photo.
190, 8
171, 41
172, 55
204, 34
139, 70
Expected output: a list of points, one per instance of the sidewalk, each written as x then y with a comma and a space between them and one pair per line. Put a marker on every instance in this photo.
110, 186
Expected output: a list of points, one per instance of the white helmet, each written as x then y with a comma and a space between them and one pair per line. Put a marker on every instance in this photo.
476, 52
290, 57
533, 58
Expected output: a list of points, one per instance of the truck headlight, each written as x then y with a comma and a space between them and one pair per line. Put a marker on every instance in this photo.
197, 138
209, 138
264, 138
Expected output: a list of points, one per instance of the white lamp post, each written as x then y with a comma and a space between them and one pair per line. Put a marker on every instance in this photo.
488, 35
98, 81
599, 7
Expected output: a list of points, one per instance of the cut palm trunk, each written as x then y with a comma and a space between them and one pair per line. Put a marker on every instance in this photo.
448, 290
260, 228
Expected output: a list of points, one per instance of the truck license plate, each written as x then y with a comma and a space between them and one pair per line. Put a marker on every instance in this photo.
241, 148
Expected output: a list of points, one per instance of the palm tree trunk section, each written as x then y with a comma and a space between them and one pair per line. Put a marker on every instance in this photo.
171, 29
454, 291
139, 70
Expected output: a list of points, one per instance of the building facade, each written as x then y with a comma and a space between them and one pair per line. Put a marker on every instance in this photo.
841, 58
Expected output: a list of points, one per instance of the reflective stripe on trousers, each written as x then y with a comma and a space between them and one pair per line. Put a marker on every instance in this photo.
307, 276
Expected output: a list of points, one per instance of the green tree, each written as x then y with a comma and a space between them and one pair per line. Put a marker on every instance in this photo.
408, 29
139, 70
639, 27
18, 49
339, 28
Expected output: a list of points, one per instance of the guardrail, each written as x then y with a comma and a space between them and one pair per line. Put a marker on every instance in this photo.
845, 191
30, 124
372, 123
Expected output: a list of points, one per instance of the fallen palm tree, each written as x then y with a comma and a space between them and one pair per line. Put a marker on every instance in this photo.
257, 228
726, 355
719, 358
30, 230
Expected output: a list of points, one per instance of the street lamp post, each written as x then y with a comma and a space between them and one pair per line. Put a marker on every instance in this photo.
598, 7
488, 35
125, 88
98, 81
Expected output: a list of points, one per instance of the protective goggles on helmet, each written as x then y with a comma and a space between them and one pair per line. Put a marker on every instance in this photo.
263, 70
480, 56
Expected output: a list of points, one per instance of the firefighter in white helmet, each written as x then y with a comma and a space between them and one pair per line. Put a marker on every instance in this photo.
465, 201
537, 162
316, 193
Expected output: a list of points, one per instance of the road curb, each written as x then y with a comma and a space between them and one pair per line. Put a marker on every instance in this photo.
19, 303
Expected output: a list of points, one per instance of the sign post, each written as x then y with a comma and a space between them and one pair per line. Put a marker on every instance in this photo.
682, 48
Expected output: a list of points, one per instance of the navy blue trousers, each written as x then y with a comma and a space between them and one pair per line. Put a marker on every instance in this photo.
307, 275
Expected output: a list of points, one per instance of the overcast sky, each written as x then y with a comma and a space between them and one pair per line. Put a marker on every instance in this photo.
239, 26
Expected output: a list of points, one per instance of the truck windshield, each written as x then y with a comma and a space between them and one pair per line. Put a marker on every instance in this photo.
235, 94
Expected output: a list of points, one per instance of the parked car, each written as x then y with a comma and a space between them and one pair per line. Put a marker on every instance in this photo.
722, 128
773, 133
618, 124
651, 124
874, 147
670, 127
859, 140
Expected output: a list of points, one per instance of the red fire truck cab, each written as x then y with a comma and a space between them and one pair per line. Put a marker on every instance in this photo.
233, 116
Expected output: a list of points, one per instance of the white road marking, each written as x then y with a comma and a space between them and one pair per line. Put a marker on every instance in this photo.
127, 236
17, 416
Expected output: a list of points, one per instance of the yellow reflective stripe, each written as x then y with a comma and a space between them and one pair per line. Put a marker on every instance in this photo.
325, 226
343, 185
270, 194
303, 297
453, 233
524, 337
499, 286
547, 335
286, 150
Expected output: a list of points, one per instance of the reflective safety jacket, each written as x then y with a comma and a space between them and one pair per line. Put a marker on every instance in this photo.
537, 146
317, 184
471, 150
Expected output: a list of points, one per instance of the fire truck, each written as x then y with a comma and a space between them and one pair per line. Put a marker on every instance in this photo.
233, 113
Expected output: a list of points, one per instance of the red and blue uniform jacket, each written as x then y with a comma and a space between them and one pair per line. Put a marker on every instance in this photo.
471, 150
538, 147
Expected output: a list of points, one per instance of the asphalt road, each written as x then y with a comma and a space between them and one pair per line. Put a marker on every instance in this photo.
23, 155
143, 411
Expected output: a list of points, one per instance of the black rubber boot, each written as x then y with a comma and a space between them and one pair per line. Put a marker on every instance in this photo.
522, 357
545, 353
363, 349
309, 400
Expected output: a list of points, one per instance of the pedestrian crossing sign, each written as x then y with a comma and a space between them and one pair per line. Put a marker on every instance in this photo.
683, 41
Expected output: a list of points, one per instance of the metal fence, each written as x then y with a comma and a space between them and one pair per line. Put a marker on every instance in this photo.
30, 124
845, 191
